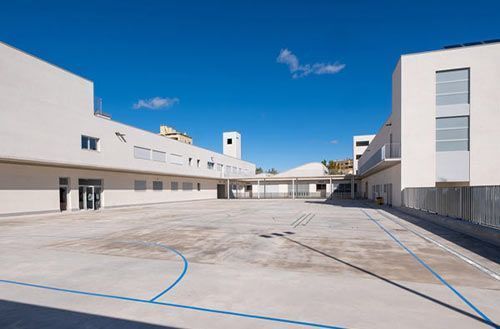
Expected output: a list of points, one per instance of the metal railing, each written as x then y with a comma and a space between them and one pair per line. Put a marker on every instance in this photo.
387, 151
98, 108
476, 204
279, 195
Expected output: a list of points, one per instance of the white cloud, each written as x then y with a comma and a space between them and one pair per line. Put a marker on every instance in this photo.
334, 141
298, 71
155, 103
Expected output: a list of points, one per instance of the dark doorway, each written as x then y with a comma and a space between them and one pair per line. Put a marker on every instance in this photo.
221, 191
321, 188
63, 198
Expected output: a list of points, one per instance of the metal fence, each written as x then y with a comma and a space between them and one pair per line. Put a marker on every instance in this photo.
278, 195
477, 204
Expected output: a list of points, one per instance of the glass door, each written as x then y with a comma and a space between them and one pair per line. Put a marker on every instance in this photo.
89, 191
97, 197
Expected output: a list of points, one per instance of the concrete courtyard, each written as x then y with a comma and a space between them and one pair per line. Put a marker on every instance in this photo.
244, 264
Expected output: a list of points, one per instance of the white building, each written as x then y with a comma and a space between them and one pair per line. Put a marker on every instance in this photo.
359, 145
55, 153
444, 127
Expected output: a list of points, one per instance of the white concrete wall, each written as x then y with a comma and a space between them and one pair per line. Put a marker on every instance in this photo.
45, 110
34, 188
418, 113
391, 175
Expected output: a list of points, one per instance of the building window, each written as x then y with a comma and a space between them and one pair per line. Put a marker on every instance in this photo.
190, 161
140, 185
176, 159
159, 156
187, 186
362, 143
90, 143
198, 186
174, 186
229, 141
142, 153
452, 134
358, 156
452, 87
210, 165
198, 163
157, 185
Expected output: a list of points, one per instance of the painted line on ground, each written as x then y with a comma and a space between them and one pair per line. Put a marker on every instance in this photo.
439, 277
189, 307
466, 259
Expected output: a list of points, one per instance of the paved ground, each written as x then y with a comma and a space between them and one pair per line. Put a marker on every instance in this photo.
243, 264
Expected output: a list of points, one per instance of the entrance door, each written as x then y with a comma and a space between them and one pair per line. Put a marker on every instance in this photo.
97, 197
321, 188
63, 198
221, 191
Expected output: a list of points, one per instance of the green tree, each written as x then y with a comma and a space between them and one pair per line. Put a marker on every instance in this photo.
259, 170
272, 171
324, 162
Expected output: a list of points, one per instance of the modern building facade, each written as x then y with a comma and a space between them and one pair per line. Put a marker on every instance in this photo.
359, 145
57, 154
444, 127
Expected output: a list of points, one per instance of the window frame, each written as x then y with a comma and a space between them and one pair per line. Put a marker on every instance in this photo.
88, 143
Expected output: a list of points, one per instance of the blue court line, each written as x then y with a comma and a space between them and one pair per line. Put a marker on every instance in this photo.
439, 277
184, 270
195, 308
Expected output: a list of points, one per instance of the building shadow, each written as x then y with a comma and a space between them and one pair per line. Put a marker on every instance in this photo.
395, 284
14, 315
477, 246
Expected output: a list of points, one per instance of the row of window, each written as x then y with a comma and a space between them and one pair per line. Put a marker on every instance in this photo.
92, 143
160, 156
141, 185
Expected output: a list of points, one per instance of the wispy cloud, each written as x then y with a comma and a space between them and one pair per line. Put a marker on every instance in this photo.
334, 141
302, 70
155, 103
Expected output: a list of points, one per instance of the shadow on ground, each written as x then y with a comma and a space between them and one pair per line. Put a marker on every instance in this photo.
26, 316
479, 247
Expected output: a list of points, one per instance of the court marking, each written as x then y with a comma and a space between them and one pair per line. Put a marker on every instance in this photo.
439, 277
189, 307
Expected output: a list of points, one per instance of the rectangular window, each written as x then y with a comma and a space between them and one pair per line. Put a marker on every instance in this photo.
452, 134
198, 186
90, 143
452, 87
63, 181
187, 186
140, 185
174, 186
190, 162
362, 143
157, 185
210, 165
229, 141
176, 159
198, 163
159, 156
358, 156
142, 153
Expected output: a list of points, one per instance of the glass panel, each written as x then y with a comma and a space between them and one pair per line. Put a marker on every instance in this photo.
452, 134
452, 75
157, 185
174, 186
140, 185
452, 87
63, 181
84, 181
81, 197
90, 197
452, 122
452, 146
159, 156
176, 159
93, 144
452, 99
142, 153
97, 197
85, 142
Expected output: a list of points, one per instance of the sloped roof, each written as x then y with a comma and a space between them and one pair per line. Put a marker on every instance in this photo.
312, 169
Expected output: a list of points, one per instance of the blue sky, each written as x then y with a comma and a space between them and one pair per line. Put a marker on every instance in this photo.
213, 65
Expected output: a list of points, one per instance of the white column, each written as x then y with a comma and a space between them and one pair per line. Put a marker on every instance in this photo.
258, 188
331, 187
293, 188
228, 190
352, 187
